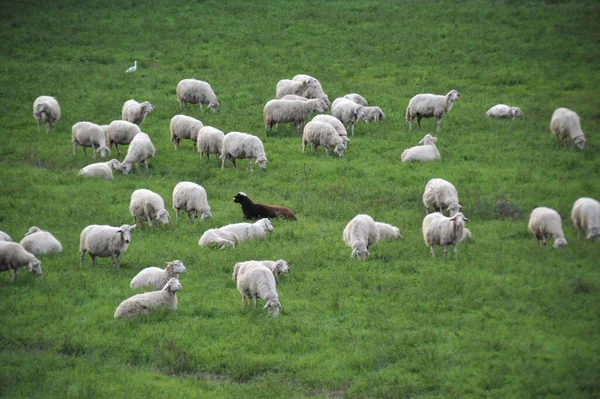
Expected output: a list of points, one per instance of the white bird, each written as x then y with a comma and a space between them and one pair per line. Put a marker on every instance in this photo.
133, 68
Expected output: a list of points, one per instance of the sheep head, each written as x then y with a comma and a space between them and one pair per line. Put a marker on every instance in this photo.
103, 150
428, 139
214, 106
35, 267
125, 232
147, 107
516, 112
176, 266
163, 216
206, 215
262, 161
266, 223
173, 285
274, 307
32, 229
339, 149
281, 267
360, 251
453, 209
579, 142
453, 95
241, 198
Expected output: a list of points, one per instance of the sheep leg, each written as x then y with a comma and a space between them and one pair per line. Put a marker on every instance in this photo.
176, 144
419, 117
74, 148
455, 249
146, 163
93, 259
38, 123
431, 250
116, 258
223, 163
47, 127
117, 148
11, 276
93, 151
250, 164
82, 256
234, 164
438, 122
303, 146
254, 301
445, 250
353, 129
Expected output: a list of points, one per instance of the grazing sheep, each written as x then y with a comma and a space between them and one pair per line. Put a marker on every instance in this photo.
357, 98
4, 236
441, 230
210, 141
147, 206
545, 223
184, 127
322, 133
191, 198
13, 256
566, 123
88, 134
504, 111
423, 153
233, 234
140, 149
337, 125
314, 90
348, 112
259, 283
586, 215
441, 195
105, 241
135, 112
430, 105
157, 278
40, 242
216, 238
296, 111
238, 145
277, 267
192, 91
292, 87
101, 169
372, 114
362, 231
46, 109
252, 210
121, 132
148, 302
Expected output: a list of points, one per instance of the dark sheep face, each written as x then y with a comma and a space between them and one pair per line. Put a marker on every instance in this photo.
240, 198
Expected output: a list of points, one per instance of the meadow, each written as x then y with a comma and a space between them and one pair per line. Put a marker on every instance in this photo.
504, 318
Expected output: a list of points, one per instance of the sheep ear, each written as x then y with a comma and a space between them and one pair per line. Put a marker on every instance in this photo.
132, 226
120, 231
267, 305
465, 219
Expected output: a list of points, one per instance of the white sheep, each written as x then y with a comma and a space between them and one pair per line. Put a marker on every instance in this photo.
423, 153
209, 141
192, 91
88, 134
220, 239
13, 256
148, 302
146, 205
140, 150
348, 112
362, 231
277, 267
233, 234
184, 127
191, 198
157, 278
293, 97
337, 125
296, 111
322, 133
100, 169
259, 283
504, 111
441, 230
429, 106
545, 223
4, 236
105, 241
314, 90
372, 114
441, 195
135, 112
357, 98
121, 132
238, 145
40, 242
586, 215
47, 110
565, 123
291, 87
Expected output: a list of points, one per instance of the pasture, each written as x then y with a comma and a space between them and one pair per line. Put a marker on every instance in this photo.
504, 318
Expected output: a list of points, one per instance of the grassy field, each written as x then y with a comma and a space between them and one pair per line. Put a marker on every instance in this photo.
505, 318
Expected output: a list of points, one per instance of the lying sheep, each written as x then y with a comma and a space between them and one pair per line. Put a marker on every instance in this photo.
148, 302
566, 123
192, 91
323, 134
101, 169
292, 87
121, 132
259, 283
423, 153
215, 238
441, 195
135, 112
209, 141
238, 145
88, 134
47, 110
314, 90
357, 98
157, 278
40, 242
586, 215
337, 125
348, 112
4, 236
504, 111
293, 97
362, 232
140, 150
545, 223
296, 111
105, 241
146, 205
441, 230
232, 234
184, 127
429, 106
372, 114
191, 198
277, 267
253, 210
13, 256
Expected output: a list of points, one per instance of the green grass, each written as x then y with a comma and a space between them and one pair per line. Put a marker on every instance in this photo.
503, 319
